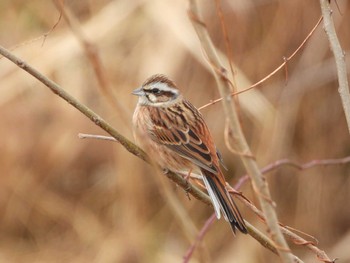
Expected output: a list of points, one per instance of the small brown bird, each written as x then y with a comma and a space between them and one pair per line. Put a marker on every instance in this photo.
174, 133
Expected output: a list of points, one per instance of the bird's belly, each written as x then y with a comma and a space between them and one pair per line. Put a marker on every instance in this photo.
169, 159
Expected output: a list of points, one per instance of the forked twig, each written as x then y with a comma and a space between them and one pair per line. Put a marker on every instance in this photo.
285, 61
43, 36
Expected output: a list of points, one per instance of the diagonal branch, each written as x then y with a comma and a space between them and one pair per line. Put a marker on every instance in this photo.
128, 145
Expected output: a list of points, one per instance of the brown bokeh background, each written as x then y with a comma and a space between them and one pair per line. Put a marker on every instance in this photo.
63, 199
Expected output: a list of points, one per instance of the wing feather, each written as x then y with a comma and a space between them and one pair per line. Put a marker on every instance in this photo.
183, 137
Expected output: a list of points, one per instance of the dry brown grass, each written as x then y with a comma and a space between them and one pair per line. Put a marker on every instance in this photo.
68, 200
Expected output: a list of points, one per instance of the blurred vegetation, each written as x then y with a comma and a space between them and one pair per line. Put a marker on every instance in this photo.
63, 199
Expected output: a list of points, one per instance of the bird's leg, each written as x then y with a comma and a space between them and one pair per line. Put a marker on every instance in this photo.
188, 185
188, 175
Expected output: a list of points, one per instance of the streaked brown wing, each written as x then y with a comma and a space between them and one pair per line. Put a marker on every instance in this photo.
181, 128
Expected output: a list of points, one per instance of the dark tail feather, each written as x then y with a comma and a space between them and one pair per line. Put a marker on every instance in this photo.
227, 205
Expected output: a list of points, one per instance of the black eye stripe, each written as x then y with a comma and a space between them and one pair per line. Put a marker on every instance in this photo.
159, 92
155, 91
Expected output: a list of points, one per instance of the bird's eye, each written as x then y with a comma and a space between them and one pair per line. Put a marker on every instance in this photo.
156, 91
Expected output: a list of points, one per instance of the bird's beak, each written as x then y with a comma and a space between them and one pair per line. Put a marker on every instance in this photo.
138, 92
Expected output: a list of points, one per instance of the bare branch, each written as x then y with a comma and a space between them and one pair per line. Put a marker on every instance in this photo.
41, 37
339, 57
226, 37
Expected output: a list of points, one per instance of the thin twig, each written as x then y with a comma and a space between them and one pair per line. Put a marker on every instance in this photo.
226, 38
98, 137
199, 238
308, 165
285, 61
259, 183
182, 217
43, 36
339, 57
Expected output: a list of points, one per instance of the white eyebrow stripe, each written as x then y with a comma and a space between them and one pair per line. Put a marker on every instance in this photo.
164, 87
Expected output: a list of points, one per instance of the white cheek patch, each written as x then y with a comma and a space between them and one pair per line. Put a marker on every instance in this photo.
152, 98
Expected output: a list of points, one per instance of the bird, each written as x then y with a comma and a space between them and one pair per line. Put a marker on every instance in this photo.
173, 132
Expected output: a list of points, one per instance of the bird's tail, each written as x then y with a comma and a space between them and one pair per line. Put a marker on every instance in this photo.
222, 200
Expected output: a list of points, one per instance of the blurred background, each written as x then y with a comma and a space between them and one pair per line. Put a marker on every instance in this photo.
64, 199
